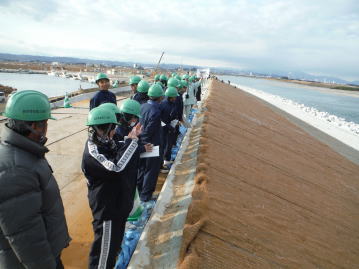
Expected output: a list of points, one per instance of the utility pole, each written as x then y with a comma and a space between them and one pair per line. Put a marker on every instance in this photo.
159, 61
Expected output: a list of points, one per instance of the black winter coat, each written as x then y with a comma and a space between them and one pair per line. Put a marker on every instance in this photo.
111, 179
33, 229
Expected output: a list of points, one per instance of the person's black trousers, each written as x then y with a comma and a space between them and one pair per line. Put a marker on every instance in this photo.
198, 94
147, 176
59, 264
108, 235
170, 139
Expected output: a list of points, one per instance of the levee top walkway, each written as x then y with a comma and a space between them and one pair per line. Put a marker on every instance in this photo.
277, 197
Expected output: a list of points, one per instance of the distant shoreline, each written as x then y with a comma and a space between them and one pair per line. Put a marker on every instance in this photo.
345, 90
325, 87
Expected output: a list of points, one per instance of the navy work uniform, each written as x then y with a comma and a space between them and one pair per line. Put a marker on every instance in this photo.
179, 107
169, 112
120, 135
151, 133
140, 97
121, 131
102, 97
111, 173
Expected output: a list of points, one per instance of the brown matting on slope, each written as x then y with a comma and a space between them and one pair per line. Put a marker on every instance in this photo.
267, 194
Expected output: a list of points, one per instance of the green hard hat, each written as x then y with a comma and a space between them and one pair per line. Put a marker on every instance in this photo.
110, 106
184, 83
101, 76
174, 74
134, 80
157, 77
143, 86
171, 92
178, 77
155, 91
163, 77
191, 78
173, 82
100, 115
28, 106
185, 76
159, 83
132, 107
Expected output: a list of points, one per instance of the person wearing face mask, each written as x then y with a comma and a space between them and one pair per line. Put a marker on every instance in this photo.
169, 116
103, 95
111, 172
141, 94
127, 117
33, 229
151, 134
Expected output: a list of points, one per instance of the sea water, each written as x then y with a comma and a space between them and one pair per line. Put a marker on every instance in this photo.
49, 85
346, 107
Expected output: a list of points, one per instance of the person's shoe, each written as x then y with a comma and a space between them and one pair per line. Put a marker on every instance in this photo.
165, 168
154, 197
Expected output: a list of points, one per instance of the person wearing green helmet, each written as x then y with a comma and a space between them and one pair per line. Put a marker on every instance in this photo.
33, 226
113, 108
110, 168
142, 89
160, 84
174, 74
151, 134
163, 80
170, 119
173, 82
157, 77
185, 77
103, 95
134, 80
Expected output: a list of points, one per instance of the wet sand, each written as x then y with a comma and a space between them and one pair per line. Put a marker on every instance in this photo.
268, 194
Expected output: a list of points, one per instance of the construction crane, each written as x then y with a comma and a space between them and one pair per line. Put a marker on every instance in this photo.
159, 61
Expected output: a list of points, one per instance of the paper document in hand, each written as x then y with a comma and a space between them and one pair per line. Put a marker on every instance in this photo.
154, 153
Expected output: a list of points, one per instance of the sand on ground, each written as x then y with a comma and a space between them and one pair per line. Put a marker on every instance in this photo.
267, 194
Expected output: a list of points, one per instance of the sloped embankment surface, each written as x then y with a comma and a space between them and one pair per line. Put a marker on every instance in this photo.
268, 195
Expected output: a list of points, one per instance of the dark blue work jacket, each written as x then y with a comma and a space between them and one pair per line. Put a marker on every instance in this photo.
169, 112
151, 123
140, 97
179, 107
102, 97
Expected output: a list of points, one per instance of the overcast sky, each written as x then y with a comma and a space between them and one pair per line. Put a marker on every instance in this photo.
320, 37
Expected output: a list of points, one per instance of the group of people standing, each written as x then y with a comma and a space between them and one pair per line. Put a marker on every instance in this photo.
118, 136
33, 229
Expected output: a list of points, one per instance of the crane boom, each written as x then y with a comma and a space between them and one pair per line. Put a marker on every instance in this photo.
159, 61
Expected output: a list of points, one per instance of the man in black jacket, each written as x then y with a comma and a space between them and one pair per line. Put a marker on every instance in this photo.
111, 173
33, 229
